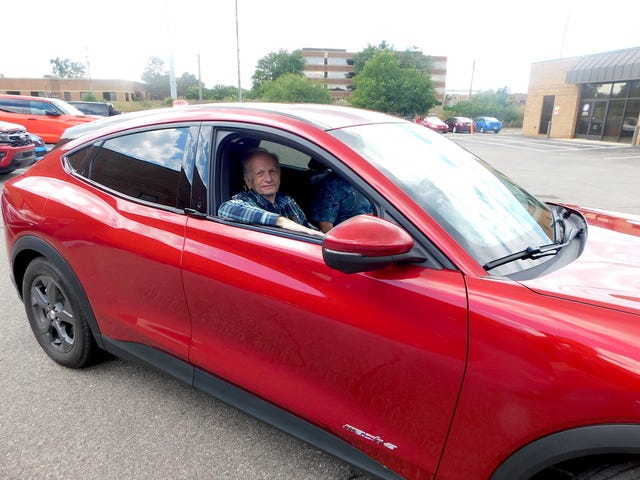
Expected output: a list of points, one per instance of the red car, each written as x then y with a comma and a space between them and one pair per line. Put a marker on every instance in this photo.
459, 124
465, 330
434, 123
16, 147
45, 117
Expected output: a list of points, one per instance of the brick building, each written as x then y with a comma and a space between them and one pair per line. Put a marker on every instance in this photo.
334, 68
594, 96
75, 88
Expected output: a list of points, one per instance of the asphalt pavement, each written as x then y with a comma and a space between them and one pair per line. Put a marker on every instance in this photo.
119, 420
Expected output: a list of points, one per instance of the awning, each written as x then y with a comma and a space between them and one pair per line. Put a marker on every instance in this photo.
617, 66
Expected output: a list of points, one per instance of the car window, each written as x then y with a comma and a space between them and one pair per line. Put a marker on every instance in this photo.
147, 165
37, 107
14, 105
302, 173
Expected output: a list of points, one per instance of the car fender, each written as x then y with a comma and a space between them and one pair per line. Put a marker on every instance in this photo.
569, 444
25, 249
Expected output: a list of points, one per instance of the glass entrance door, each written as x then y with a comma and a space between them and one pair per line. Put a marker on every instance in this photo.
596, 121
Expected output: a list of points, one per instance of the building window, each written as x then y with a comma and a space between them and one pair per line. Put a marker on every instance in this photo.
109, 96
13, 92
37, 94
126, 96
67, 96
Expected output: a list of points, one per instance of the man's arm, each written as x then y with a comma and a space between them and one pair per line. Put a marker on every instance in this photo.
288, 224
242, 211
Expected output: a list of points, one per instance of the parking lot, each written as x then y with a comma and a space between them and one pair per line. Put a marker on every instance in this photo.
593, 174
119, 420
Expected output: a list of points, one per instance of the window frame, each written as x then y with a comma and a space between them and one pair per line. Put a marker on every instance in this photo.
193, 128
225, 131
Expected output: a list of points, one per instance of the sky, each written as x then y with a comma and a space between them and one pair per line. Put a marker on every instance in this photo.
489, 45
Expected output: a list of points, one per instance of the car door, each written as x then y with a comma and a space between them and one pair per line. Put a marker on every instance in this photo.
126, 242
375, 358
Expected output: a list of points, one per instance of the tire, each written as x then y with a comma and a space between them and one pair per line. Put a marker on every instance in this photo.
55, 316
619, 471
481, 130
454, 130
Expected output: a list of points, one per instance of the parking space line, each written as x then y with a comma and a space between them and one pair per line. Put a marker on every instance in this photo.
547, 145
622, 158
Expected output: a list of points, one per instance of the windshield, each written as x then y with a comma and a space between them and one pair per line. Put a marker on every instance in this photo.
487, 213
65, 107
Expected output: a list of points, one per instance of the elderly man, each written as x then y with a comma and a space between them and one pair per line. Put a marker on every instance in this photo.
262, 203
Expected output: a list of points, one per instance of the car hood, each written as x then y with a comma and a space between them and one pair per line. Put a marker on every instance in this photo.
607, 273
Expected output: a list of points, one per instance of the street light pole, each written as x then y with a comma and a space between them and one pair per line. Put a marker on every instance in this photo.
473, 69
238, 54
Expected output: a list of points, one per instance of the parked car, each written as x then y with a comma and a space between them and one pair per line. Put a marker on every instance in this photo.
487, 124
465, 328
459, 124
16, 148
434, 123
101, 109
45, 117
40, 146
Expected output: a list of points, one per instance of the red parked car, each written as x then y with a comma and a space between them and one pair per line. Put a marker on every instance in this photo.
45, 117
459, 124
465, 330
434, 123
16, 147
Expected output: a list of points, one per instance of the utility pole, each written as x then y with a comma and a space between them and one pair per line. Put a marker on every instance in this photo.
238, 54
86, 57
199, 80
172, 74
473, 69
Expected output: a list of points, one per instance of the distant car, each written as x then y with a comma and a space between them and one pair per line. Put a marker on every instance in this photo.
102, 109
45, 117
434, 123
487, 124
41, 147
459, 124
16, 148
629, 124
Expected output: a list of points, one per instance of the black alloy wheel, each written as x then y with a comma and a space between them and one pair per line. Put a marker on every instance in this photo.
55, 316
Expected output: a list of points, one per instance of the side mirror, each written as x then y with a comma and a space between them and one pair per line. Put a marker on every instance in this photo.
365, 243
52, 113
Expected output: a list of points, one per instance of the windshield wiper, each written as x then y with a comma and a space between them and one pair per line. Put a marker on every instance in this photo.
534, 252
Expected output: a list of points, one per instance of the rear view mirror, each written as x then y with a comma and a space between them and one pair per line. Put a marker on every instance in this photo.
365, 243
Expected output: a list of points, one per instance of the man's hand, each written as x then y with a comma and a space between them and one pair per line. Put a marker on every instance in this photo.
287, 224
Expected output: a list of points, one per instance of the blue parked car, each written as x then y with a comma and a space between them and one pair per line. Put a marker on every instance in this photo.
487, 124
41, 148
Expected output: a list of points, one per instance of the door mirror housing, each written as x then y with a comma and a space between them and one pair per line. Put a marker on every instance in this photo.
365, 243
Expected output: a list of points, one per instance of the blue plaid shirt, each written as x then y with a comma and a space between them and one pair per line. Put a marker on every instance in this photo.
335, 201
252, 208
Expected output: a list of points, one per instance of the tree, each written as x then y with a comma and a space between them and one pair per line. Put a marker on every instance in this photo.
490, 103
156, 76
274, 65
186, 82
89, 97
292, 87
385, 85
360, 58
217, 93
65, 68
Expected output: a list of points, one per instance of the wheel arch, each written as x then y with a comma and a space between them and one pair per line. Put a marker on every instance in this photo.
575, 443
26, 249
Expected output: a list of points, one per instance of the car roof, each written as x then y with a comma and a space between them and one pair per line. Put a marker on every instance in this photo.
325, 117
26, 97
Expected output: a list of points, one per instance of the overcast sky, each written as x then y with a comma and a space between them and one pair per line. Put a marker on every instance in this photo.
502, 37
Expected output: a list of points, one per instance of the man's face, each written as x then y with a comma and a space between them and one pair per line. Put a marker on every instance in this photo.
263, 176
